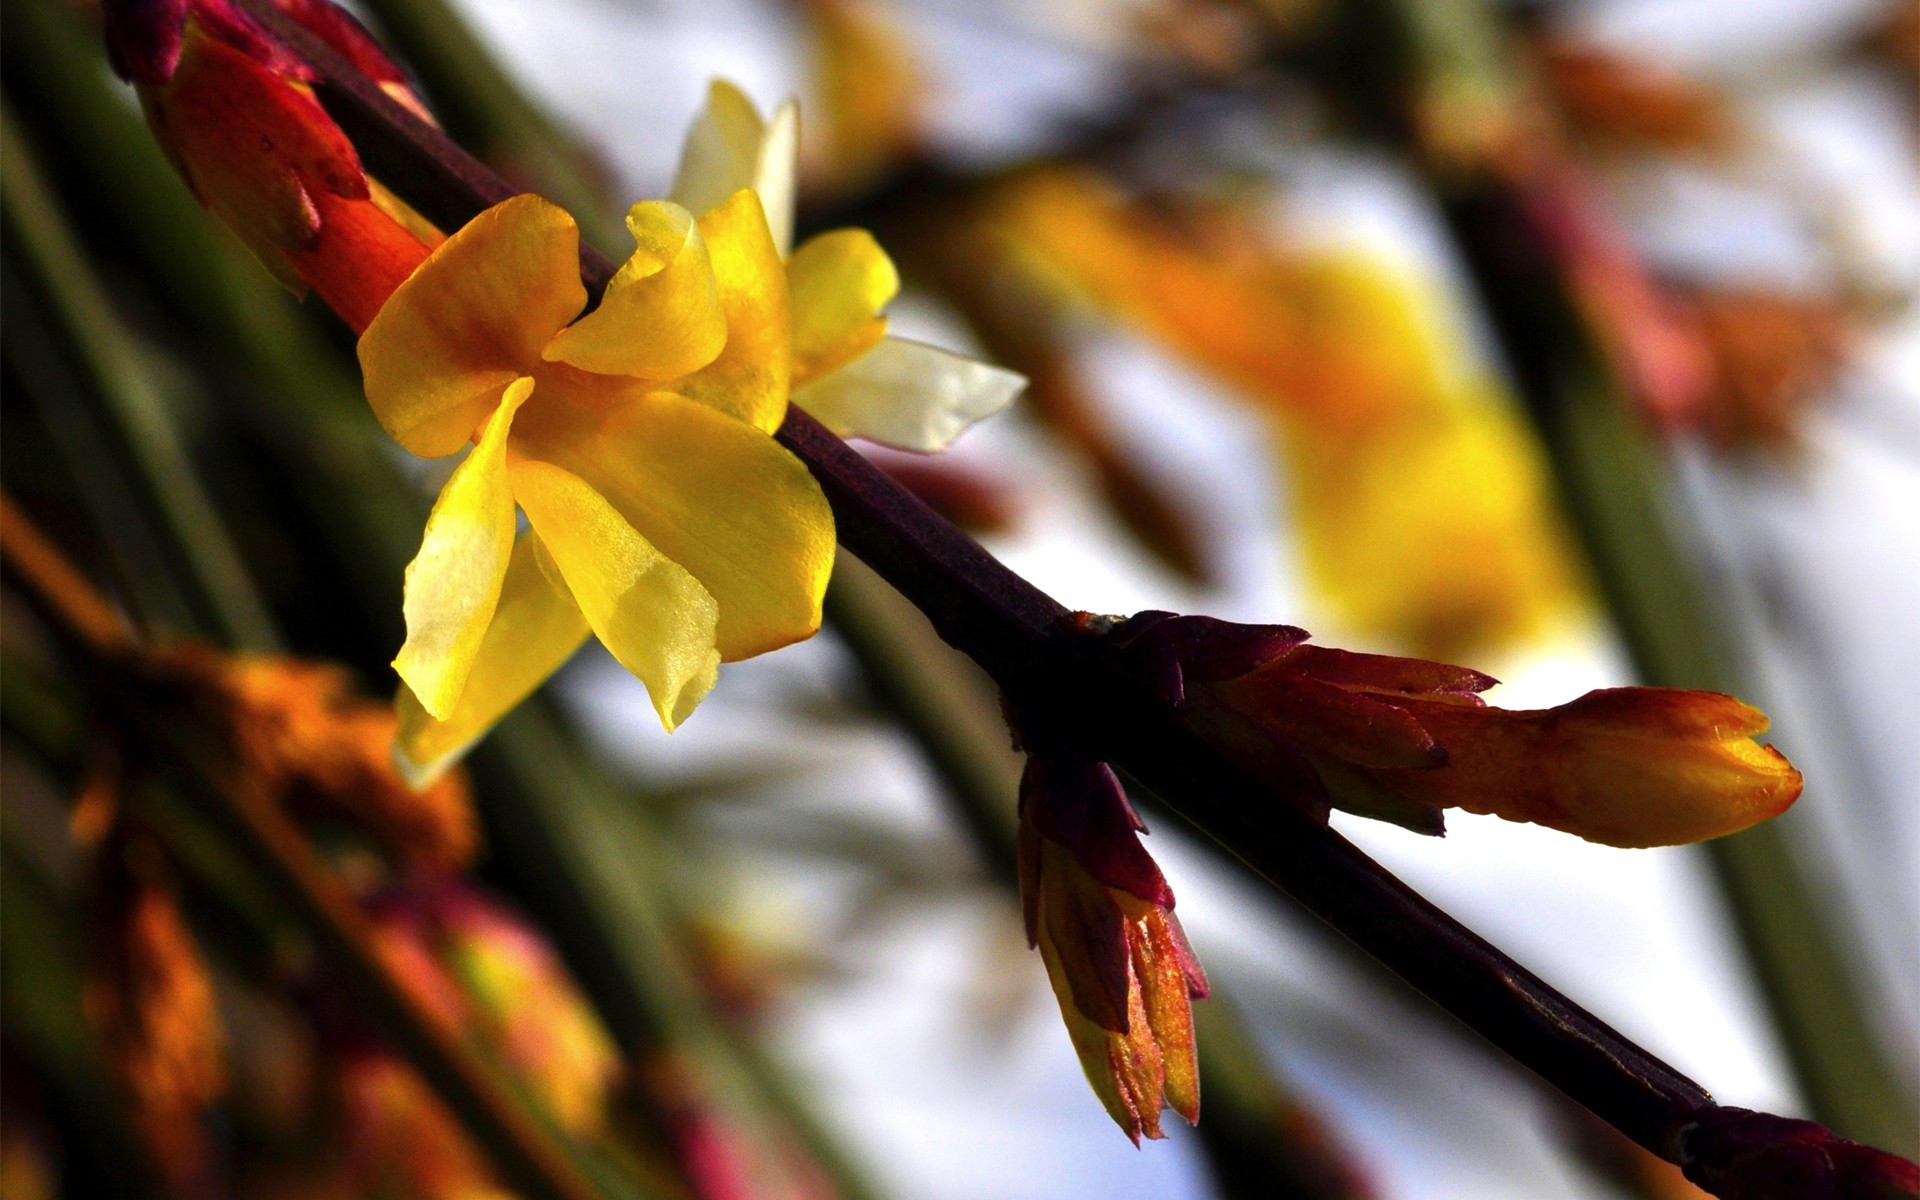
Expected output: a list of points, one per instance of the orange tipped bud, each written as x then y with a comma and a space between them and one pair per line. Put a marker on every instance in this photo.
234, 111
1101, 915
1622, 766
1396, 738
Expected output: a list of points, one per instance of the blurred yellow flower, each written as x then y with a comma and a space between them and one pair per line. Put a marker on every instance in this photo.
1421, 504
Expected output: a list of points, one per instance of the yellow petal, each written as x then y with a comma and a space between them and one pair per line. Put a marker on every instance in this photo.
837, 284
909, 394
454, 582
471, 320
654, 617
661, 317
535, 629
729, 147
719, 497
749, 380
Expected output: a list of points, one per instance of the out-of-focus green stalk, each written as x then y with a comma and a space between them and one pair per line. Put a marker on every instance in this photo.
87, 376
484, 109
1614, 488
1259, 1140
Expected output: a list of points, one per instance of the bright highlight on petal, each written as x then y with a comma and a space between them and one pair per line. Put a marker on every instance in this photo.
661, 317
909, 395
535, 629
472, 319
716, 496
653, 616
838, 282
453, 583
730, 147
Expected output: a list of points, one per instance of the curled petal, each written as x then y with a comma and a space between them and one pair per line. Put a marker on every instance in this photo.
909, 395
535, 629
716, 496
751, 377
472, 319
661, 317
729, 147
838, 283
453, 583
1621, 766
654, 617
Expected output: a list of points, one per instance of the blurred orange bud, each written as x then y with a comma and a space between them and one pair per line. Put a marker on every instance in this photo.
1633, 102
1772, 354
309, 740
1403, 455
401, 1142
870, 94
148, 994
1101, 915
486, 972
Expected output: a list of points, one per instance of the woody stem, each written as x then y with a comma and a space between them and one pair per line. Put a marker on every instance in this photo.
1027, 641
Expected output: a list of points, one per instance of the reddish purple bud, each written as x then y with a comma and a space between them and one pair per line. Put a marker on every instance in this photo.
1081, 805
143, 37
1174, 650
1741, 1155
1100, 913
346, 36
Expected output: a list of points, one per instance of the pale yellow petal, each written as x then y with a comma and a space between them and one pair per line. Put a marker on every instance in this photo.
729, 147
909, 394
655, 618
535, 629
471, 320
837, 283
453, 583
661, 317
750, 379
720, 498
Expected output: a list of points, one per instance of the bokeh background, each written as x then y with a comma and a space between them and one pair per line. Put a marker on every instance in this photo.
1754, 160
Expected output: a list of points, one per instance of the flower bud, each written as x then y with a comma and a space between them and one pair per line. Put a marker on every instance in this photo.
1401, 739
235, 113
1101, 915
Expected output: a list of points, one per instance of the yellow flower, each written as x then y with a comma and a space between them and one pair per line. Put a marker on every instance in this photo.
847, 372
663, 517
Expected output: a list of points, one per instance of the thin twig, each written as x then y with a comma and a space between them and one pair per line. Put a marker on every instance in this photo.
1027, 641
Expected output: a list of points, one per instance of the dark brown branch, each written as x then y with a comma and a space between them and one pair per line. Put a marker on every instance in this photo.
1027, 641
